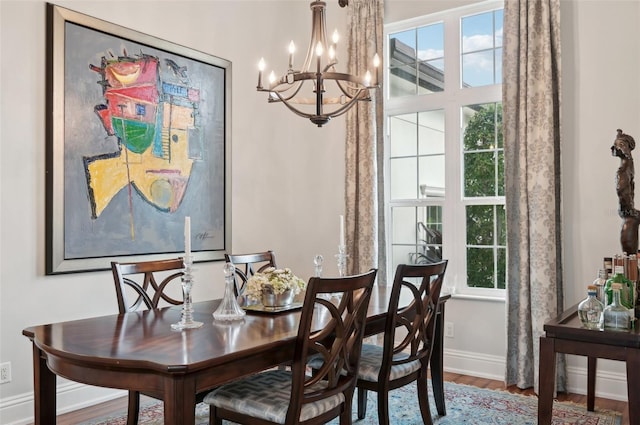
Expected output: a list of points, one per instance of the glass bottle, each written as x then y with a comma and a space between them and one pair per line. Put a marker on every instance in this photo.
616, 316
590, 310
607, 293
632, 276
600, 283
626, 288
608, 265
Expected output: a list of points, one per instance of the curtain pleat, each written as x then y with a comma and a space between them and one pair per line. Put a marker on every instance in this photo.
531, 118
364, 202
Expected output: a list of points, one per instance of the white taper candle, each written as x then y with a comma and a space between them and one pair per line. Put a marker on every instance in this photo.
187, 237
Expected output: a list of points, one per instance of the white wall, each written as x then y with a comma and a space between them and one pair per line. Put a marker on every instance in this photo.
398, 10
601, 93
288, 174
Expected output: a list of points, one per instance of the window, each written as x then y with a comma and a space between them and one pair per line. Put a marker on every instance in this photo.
444, 149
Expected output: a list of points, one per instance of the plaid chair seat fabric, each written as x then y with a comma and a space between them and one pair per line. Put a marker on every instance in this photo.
371, 360
267, 396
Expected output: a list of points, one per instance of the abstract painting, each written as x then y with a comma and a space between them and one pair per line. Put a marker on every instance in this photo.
138, 139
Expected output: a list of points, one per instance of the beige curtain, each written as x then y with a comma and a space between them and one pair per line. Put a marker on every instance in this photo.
364, 218
531, 105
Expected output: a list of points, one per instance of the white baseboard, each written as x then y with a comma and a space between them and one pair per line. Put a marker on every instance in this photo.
609, 385
474, 364
18, 410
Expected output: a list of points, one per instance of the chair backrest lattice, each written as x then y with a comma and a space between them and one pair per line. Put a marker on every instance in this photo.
146, 284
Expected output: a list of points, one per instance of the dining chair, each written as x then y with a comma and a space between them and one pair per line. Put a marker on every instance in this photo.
248, 264
141, 280
329, 328
147, 285
408, 340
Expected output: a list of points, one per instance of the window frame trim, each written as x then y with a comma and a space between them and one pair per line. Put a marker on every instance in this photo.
455, 282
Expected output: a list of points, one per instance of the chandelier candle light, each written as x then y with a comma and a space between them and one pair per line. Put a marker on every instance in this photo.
186, 321
320, 108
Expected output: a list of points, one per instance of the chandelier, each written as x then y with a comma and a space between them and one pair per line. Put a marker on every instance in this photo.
315, 74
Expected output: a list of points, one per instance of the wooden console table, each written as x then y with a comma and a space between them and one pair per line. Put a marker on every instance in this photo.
565, 334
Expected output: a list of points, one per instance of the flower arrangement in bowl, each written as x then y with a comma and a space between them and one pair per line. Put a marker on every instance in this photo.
274, 287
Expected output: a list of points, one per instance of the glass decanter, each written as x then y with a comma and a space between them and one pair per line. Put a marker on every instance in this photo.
229, 309
616, 316
591, 309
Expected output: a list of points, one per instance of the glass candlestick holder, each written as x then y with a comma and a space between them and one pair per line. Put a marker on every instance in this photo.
341, 258
229, 309
186, 320
317, 262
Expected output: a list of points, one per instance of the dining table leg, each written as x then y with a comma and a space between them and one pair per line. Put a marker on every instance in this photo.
179, 401
44, 390
633, 385
546, 380
437, 364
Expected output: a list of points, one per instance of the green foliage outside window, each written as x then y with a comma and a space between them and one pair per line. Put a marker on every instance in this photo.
483, 152
484, 177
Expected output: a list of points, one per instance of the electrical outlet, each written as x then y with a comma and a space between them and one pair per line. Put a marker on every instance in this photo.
448, 329
5, 372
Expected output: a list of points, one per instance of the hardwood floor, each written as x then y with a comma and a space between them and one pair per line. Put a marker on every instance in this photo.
97, 411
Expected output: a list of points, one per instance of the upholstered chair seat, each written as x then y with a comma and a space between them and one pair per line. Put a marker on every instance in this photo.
371, 363
267, 396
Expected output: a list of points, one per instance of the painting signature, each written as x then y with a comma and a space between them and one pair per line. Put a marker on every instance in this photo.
204, 235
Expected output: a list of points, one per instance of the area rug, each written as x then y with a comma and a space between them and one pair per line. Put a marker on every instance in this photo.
465, 405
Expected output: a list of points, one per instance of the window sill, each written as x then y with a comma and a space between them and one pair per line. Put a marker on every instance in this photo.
476, 297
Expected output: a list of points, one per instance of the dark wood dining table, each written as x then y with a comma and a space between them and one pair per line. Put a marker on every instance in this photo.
565, 334
139, 351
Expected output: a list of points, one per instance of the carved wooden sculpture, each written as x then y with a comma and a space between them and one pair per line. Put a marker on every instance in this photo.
622, 147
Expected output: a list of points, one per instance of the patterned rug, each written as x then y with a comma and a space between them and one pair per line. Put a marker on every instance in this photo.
465, 405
